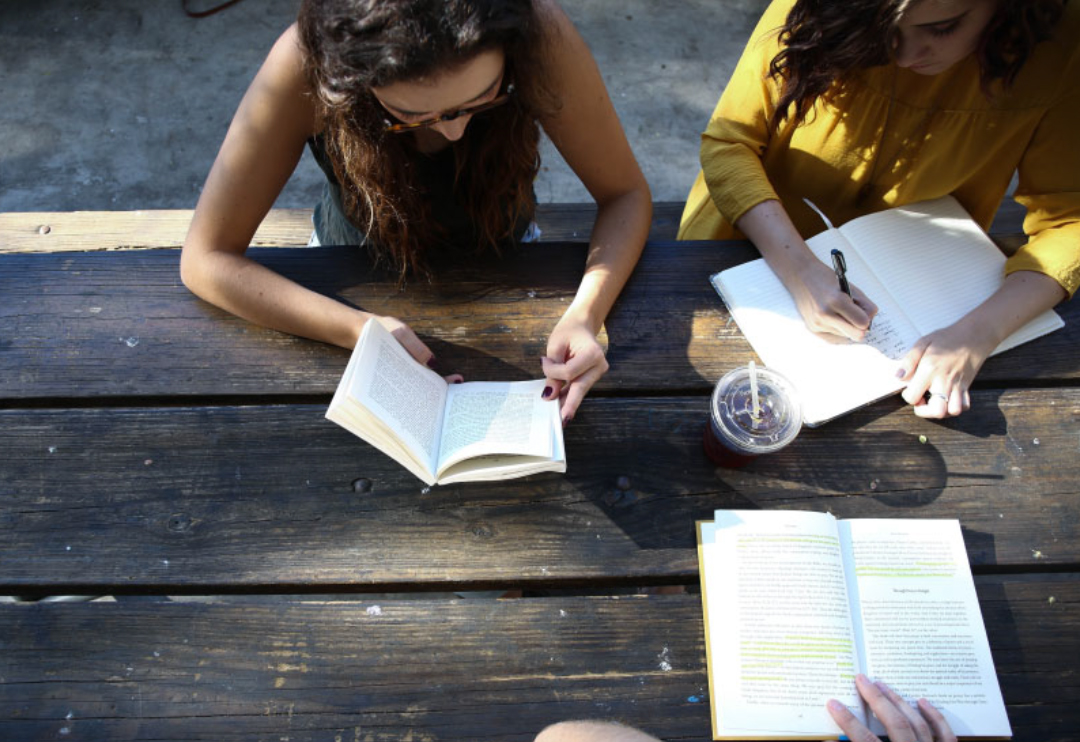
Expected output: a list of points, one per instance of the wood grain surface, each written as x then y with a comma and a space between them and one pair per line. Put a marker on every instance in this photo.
152, 445
279, 499
51, 231
82, 325
437, 670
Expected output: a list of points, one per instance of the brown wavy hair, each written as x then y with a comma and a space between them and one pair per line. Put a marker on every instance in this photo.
351, 46
826, 42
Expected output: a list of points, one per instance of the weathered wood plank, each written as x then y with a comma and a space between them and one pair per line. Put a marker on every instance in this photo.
130, 230
52, 231
435, 670
218, 499
122, 324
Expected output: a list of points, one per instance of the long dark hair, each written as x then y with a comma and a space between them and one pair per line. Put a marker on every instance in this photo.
826, 42
352, 46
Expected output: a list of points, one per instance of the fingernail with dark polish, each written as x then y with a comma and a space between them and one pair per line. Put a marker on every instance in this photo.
900, 373
547, 392
458, 381
431, 362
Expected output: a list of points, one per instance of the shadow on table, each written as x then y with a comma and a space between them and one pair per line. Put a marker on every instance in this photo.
668, 331
654, 489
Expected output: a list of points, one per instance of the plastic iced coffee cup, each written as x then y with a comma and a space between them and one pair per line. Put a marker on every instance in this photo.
736, 433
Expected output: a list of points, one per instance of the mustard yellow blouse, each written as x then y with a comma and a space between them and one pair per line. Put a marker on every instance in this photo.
943, 135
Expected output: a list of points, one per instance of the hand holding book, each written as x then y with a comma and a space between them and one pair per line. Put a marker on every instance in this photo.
405, 337
441, 431
900, 719
574, 362
941, 366
797, 605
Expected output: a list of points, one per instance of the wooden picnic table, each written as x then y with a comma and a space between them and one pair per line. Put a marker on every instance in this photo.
273, 577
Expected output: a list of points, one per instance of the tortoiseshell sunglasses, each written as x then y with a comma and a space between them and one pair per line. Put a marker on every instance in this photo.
495, 102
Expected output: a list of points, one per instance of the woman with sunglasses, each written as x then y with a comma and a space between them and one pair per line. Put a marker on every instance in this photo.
426, 119
864, 105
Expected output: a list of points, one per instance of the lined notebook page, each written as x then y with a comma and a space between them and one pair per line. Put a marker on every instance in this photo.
937, 263
832, 378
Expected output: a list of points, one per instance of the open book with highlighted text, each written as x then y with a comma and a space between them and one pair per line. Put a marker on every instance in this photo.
797, 603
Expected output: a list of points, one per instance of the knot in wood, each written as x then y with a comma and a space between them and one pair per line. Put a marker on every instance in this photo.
362, 486
481, 530
179, 522
623, 483
44, 229
620, 497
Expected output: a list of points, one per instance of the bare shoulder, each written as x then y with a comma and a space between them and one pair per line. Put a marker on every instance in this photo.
583, 124
285, 62
560, 34
282, 87
551, 13
566, 61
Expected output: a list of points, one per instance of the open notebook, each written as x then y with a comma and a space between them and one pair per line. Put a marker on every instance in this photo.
925, 265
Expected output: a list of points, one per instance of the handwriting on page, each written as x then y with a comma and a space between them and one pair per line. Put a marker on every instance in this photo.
887, 337
936, 261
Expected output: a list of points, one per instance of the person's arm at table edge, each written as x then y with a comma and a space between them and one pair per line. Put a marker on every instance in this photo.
261, 149
732, 146
588, 135
1041, 274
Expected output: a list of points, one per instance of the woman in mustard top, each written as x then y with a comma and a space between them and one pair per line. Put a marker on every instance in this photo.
868, 104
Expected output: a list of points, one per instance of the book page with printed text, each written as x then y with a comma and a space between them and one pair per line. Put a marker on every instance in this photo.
778, 630
917, 618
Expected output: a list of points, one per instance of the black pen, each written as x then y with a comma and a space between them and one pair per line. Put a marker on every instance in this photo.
840, 266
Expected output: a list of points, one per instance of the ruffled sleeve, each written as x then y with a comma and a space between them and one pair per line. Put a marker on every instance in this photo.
1049, 186
738, 132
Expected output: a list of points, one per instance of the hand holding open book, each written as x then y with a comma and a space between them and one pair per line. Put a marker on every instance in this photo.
798, 603
443, 432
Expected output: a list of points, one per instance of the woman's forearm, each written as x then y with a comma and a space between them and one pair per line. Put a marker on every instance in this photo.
247, 289
812, 284
771, 230
1023, 296
618, 237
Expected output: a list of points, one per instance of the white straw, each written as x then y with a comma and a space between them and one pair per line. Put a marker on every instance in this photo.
753, 390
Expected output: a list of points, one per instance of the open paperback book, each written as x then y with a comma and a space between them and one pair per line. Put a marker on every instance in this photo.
443, 432
797, 603
925, 265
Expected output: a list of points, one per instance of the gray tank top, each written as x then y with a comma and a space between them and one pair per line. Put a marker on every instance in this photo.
436, 171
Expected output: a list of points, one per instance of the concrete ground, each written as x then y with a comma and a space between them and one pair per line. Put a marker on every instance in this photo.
122, 104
